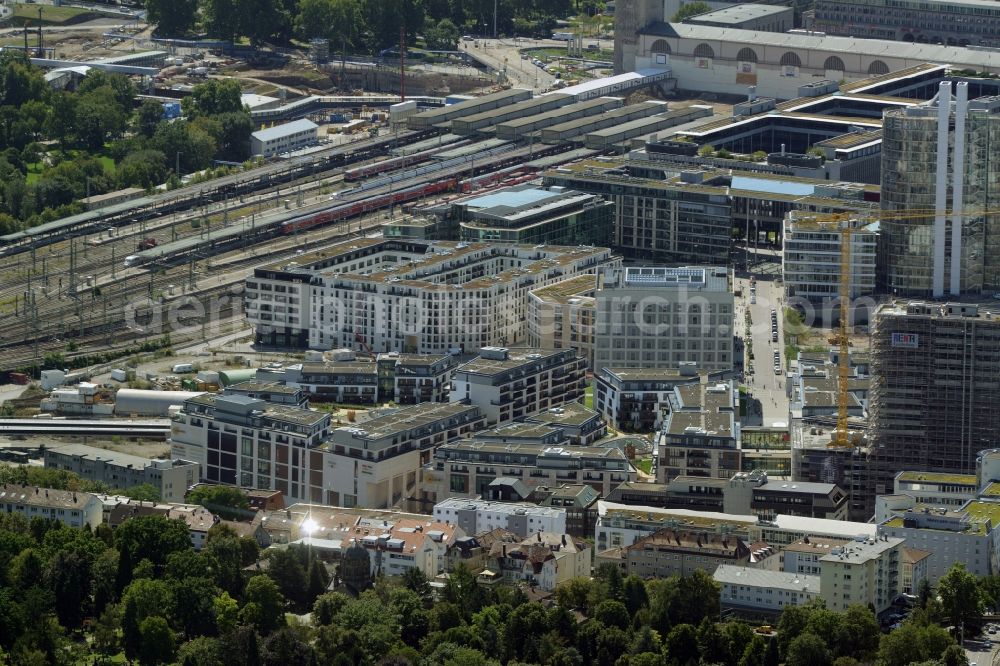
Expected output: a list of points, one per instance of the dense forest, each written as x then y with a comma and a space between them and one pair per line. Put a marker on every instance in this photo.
142, 593
57, 147
364, 25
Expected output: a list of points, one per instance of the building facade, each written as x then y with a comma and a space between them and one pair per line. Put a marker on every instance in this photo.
171, 478
508, 384
749, 591
952, 248
74, 509
475, 516
951, 22
669, 553
934, 369
635, 399
561, 316
425, 297
810, 262
284, 138
700, 434
863, 572
661, 317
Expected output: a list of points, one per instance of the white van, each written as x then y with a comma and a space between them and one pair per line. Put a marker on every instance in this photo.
182, 368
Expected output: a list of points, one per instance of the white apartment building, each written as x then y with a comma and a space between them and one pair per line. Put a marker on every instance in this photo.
760, 591
863, 572
508, 384
284, 138
656, 317
377, 463
409, 544
407, 295
75, 509
635, 399
810, 265
475, 516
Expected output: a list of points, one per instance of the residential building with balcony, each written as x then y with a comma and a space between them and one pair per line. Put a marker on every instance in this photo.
509, 384
582, 426
753, 493
657, 317
411, 296
274, 392
635, 399
377, 463
466, 468
700, 434
415, 378
344, 382
475, 516
863, 572
74, 509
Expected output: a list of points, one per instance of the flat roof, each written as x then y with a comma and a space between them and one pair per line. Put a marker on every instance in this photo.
738, 13
263, 387
278, 131
939, 477
778, 580
824, 526
518, 508
649, 374
573, 288
856, 552
570, 413
515, 359
103, 455
799, 487
513, 198
406, 418
929, 53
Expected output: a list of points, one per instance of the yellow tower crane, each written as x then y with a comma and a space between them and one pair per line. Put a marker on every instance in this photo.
846, 224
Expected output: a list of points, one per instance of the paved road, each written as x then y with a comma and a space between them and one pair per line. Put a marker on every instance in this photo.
981, 653
497, 54
765, 386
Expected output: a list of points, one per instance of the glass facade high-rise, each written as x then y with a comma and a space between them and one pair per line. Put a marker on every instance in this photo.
941, 158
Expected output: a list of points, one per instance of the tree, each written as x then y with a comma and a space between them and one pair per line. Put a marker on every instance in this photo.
443, 36
754, 653
912, 643
226, 612
264, 594
340, 21
191, 144
157, 644
208, 99
202, 651
682, 645
287, 572
635, 595
69, 578
148, 116
613, 614
319, 579
144, 492
808, 649
172, 17
689, 10
194, 606
961, 596
284, 648
218, 496
222, 18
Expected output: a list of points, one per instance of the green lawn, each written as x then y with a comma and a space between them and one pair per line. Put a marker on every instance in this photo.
645, 464
50, 15
588, 397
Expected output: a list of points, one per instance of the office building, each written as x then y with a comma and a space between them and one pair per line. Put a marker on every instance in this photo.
936, 488
955, 250
934, 390
951, 22
634, 399
284, 138
529, 214
249, 443
671, 552
171, 478
465, 468
74, 509
753, 493
662, 317
561, 316
656, 220
475, 516
700, 434
754, 593
969, 535
810, 262
424, 297
509, 384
